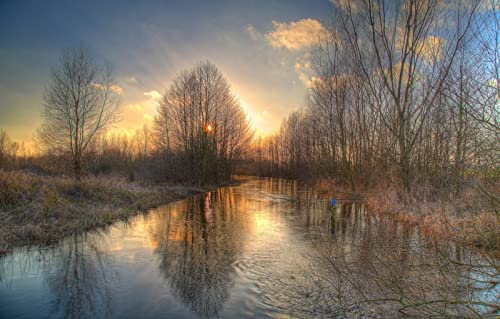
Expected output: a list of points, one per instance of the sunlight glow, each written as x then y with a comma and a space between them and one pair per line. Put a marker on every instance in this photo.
262, 223
259, 121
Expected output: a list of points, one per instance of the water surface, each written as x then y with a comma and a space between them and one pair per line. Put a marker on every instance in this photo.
239, 252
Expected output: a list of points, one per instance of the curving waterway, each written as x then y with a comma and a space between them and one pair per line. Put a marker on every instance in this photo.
255, 250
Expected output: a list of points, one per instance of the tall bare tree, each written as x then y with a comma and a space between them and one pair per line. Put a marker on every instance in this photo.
200, 120
404, 54
81, 101
404, 91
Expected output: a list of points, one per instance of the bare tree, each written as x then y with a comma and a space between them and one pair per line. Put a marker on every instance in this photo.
201, 122
8, 148
80, 102
404, 55
395, 84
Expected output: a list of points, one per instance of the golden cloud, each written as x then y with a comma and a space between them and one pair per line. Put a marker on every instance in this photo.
310, 81
431, 48
117, 89
98, 86
296, 35
302, 65
304, 70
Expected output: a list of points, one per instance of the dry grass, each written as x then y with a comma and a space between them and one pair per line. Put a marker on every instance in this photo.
464, 218
40, 209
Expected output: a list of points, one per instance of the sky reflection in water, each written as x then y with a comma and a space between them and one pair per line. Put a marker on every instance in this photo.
241, 251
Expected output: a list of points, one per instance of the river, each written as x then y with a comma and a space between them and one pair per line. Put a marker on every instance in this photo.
261, 249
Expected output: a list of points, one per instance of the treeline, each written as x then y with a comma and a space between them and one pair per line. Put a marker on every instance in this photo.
404, 92
199, 130
12, 153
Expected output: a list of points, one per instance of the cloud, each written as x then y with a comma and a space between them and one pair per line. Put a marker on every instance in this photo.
117, 89
302, 65
98, 86
309, 81
431, 48
131, 80
155, 95
296, 35
304, 78
254, 34
304, 70
396, 72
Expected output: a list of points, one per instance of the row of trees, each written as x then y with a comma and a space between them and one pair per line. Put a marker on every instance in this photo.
10, 150
407, 87
120, 153
199, 131
402, 90
108, 153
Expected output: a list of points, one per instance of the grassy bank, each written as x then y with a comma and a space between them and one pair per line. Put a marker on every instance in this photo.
41, 209
465, 218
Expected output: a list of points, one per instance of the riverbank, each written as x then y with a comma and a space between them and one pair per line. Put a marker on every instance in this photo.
38, 209
465, 218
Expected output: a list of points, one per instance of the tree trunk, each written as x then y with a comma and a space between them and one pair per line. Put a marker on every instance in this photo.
77, 169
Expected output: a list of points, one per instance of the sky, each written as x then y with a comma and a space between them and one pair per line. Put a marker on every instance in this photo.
261, 47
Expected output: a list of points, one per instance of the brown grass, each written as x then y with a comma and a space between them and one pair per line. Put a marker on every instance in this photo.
463, 218
458, 219
41, 209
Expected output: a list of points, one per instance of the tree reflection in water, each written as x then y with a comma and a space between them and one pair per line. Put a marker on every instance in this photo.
275, 242
77, 274
198, 241
78, 280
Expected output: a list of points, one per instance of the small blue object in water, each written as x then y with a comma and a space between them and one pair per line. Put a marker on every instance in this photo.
333, 202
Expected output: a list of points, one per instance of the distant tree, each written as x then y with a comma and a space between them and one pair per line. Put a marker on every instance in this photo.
80, 102
4, 142
141, 141
9, 149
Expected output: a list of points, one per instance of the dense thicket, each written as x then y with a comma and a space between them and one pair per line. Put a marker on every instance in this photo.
404, 92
